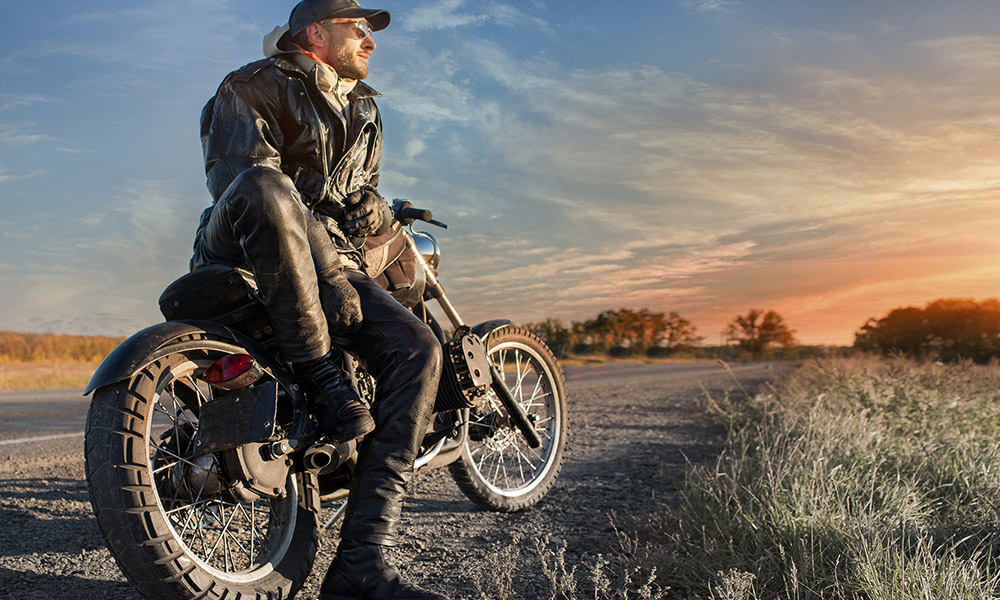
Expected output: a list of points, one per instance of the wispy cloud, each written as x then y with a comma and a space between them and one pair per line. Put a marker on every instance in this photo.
144, 36
12, 135
449, 14
12, 101
711, 5
7, 175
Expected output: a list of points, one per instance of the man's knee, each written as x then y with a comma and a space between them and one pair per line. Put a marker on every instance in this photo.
266, 193
424, 352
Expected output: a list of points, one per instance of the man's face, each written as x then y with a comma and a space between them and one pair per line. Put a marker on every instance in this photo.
344, 45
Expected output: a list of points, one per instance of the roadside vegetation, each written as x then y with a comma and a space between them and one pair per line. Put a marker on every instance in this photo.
39, 361
860, 478
865, 478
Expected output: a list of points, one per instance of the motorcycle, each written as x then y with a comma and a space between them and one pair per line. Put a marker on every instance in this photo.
207, 473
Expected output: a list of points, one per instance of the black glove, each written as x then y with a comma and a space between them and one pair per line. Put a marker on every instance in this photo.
341, 304
366, 211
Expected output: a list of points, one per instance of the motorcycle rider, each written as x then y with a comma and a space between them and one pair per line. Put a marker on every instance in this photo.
292, 147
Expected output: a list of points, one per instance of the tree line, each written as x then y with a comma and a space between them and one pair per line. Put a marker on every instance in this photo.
642, 332
946, 330
51, 347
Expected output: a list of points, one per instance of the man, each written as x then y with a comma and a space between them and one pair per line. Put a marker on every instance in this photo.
292, 149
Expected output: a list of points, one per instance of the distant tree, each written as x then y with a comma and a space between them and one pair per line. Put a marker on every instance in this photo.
678, 333
757, 331
946, 329
633, 332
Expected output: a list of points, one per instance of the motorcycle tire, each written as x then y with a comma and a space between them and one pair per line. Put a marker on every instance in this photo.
498, 470
169, 521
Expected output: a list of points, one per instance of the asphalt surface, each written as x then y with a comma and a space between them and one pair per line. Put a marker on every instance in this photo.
634, 429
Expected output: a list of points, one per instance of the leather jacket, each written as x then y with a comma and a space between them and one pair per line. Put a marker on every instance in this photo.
271, 113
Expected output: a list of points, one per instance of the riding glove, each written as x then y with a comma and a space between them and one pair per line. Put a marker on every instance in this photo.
367, 213
341, 303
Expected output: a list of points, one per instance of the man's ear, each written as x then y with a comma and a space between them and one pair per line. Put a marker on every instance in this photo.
317, 34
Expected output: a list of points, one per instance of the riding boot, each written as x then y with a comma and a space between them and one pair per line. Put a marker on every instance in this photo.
333, 400
362, 571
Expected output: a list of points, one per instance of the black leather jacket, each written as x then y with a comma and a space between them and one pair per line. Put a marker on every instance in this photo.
271, 113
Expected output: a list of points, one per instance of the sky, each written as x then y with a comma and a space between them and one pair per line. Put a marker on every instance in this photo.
827, 159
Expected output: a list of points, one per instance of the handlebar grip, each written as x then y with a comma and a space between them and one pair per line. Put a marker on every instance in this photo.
419, 214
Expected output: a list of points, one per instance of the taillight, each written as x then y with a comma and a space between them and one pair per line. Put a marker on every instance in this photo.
233, 371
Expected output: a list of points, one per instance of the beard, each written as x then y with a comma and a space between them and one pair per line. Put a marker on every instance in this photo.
349, 65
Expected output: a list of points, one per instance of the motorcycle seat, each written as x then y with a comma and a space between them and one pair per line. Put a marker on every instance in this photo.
223, 293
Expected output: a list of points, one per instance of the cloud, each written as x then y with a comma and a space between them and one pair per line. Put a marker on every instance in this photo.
101, 271
451, 14
12, 135
656, 170
6, 175
12, 101
711, 5
144, 36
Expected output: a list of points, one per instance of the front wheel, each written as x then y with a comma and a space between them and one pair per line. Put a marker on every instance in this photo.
171, 518
498, 470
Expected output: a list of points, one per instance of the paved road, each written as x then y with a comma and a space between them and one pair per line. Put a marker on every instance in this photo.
29, 418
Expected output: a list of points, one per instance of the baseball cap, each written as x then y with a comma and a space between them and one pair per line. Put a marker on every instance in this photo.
311, 11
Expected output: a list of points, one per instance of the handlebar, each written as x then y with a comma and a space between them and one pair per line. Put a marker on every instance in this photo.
407, 214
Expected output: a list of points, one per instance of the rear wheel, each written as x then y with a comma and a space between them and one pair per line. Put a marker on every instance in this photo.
498, 470
174, 523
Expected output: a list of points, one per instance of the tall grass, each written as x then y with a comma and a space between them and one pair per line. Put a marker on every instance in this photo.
856, 478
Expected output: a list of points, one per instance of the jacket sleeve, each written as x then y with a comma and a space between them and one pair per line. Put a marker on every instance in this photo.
239, 130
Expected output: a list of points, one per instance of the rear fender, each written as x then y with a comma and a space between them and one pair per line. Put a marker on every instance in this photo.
143, 348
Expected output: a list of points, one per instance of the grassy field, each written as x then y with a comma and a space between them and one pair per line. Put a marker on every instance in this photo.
859, 478
45, 375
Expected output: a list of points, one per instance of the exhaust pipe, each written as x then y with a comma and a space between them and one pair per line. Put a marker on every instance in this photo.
318, 456
328, 457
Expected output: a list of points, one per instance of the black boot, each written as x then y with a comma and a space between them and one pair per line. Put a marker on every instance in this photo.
333, 400
362, 571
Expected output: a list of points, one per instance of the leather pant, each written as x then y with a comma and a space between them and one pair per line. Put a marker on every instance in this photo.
260, 222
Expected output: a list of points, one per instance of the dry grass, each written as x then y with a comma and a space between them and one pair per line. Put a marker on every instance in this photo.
623, 576
855, 479
45, 375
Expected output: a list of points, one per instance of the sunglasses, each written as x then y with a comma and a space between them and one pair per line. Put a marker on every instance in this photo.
361, 28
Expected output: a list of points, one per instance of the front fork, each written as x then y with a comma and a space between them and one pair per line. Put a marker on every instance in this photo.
435, 290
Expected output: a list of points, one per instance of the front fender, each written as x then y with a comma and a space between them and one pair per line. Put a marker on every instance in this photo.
487, 327
139, 350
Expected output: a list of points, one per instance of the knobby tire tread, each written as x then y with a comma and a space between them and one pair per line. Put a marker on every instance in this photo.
137, 535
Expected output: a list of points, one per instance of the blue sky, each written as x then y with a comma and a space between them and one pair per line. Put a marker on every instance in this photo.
828, 160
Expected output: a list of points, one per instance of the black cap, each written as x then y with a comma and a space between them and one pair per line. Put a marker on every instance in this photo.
311, 11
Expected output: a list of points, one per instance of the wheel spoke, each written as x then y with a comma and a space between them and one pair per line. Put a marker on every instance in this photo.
497, 452
178, 457
201, 510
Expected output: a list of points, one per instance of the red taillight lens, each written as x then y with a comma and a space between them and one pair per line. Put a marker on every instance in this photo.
233, 371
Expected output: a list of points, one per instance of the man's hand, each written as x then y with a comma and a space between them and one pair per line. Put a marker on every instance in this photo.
365, 215
341, 304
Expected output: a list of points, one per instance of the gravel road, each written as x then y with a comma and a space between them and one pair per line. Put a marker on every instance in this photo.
633, 428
